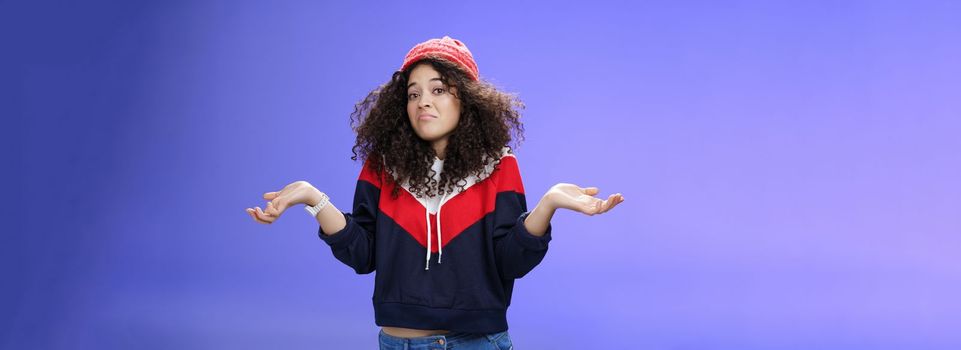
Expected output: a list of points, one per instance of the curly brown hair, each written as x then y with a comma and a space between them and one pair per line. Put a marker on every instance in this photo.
488, 118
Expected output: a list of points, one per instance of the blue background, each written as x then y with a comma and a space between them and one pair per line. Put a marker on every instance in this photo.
791, 169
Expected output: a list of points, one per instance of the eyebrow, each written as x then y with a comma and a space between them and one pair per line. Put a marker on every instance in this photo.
415, 83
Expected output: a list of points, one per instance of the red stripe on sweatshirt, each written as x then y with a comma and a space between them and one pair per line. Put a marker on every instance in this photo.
458, 213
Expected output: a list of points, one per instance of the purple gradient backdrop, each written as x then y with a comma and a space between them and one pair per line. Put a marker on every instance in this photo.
791, 170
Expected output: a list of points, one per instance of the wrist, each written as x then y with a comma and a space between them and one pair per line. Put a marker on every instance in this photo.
314, 198
321, 204
548, 203
539, 219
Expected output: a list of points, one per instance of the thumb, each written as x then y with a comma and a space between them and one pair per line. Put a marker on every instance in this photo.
270, 195
590, 190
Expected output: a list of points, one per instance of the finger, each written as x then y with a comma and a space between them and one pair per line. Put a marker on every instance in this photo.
612, 200
590, 190
264, 211
275, 210
271, 210
609, 203
592, 207
615, 200
270, 195
263, 216
253, 214
605, 205
613, 205
618, 199
279, 205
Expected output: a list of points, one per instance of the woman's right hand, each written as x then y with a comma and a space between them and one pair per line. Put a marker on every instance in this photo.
300, 192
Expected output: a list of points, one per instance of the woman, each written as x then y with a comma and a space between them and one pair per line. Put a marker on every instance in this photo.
438, 177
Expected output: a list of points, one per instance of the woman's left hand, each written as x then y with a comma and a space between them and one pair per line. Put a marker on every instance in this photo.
581, 199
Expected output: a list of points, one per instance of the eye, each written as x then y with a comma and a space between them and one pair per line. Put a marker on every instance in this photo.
439, 91
412, 96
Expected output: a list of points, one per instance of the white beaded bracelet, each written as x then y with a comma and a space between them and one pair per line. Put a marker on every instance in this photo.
313, 210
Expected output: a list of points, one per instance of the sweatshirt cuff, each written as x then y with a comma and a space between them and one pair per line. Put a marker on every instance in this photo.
341, 237
527, 240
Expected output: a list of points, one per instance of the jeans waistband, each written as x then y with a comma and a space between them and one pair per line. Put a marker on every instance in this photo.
440, 339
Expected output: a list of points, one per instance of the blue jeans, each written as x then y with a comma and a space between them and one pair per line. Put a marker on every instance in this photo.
453, 340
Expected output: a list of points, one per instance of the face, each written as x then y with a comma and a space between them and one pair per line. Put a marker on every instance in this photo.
432, 108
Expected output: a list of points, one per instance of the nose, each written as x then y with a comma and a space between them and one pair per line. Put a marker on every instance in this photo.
424, 101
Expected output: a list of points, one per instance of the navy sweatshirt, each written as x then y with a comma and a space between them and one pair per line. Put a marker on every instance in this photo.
452, 269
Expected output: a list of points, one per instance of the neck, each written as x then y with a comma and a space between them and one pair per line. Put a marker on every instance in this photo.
440, 146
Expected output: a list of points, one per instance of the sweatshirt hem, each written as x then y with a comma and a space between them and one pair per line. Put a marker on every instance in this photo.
426, 317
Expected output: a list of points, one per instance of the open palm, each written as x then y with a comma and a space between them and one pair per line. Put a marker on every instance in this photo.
573, 197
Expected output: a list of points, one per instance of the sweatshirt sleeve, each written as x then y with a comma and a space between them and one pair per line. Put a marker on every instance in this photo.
354, 244
516, 250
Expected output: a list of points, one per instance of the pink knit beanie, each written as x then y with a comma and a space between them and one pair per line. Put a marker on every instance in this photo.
449, 49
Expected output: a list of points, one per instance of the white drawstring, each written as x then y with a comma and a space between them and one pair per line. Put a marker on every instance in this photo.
427, 220
440, 242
